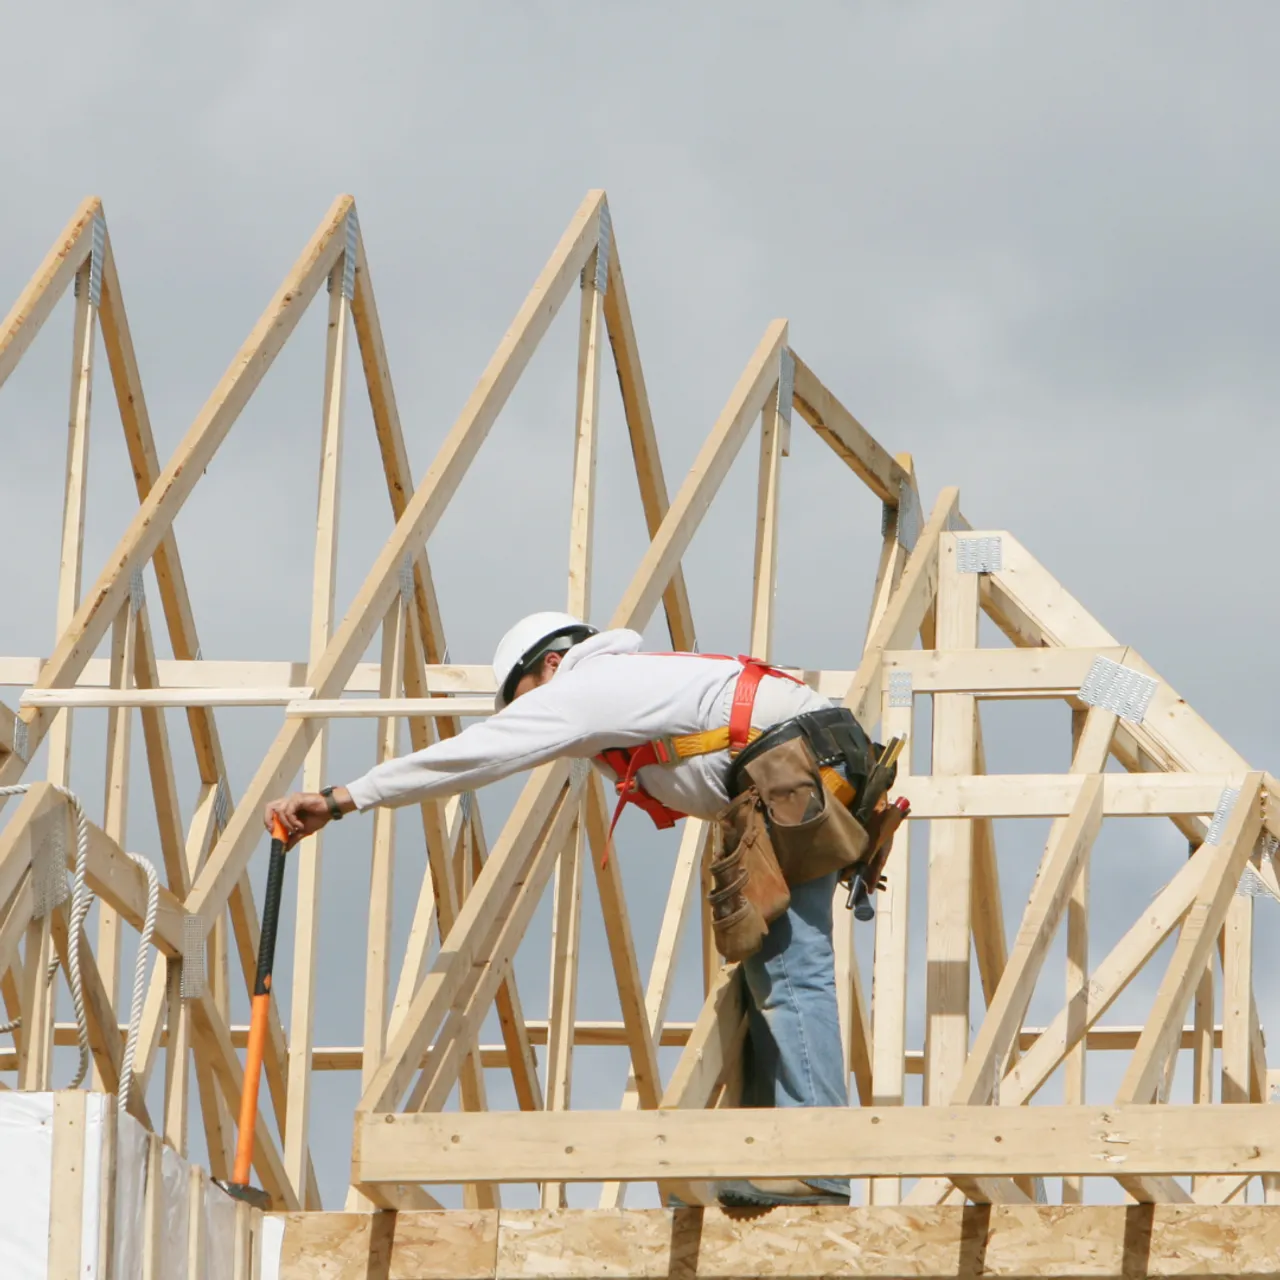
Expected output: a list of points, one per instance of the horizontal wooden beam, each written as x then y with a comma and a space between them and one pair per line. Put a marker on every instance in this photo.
987, 673
236, 673
1050, 795
589, 1146
1027, 673
233, 697
387, 708
600, 1035
1012, 1242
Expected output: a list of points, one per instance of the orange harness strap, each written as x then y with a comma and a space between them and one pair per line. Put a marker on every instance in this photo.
626, 762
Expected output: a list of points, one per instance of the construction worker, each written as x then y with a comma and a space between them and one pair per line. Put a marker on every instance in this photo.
775, 764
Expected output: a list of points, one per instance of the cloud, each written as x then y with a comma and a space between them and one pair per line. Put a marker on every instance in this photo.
1033, 245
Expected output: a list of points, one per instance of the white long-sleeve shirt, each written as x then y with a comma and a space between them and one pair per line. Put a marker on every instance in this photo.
605, 693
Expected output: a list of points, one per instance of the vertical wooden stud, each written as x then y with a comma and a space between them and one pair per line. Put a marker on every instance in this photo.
765, 579
176, 1076
565, 936
66, 1190
1073, 1083
889, 974
950, 845
308, 854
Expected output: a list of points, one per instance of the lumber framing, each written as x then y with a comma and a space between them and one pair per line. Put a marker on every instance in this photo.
957, 1113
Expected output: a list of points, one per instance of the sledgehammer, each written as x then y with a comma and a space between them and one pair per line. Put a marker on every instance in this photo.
239, 1184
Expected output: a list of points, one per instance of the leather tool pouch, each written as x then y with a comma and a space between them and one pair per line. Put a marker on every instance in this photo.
812, 834
748, 890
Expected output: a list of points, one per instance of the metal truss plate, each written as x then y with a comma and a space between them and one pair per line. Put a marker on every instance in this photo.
908, 516
1252, 885
96, 255
1118, 688
194, 979
20, 740
979, 555
406, 580
137, 591
221, 804
900, 691
349, 256
1226, 802
604, 247
49, 885
578, 772
786, 383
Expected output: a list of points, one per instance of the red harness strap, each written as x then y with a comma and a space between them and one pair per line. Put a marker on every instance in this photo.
626, 762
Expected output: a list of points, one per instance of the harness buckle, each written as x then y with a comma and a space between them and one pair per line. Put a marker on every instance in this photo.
664, 750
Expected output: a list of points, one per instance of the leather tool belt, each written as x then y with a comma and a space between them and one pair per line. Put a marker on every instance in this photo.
793, 818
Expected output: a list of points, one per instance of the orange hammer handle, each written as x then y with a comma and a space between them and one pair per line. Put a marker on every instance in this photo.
261, 1009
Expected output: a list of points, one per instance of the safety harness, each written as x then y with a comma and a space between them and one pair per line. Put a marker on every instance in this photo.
626, 762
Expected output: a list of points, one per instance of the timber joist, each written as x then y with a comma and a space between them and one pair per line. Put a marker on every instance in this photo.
1130, 746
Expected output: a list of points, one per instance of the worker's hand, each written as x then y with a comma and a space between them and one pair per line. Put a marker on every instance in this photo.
302, 814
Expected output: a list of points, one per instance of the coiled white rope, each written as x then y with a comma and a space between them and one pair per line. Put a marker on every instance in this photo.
139, 982
79, 910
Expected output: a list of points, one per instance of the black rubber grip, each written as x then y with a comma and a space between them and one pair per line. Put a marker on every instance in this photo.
858, 900
270, 919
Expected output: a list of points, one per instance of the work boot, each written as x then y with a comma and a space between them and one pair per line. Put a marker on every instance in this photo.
775, 1191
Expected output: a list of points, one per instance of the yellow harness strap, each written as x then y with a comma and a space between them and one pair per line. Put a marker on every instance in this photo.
709, 740
698, 744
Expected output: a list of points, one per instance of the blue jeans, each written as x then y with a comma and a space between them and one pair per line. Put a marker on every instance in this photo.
794, 1058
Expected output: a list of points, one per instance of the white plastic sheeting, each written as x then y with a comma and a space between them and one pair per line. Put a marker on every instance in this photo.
26, 1138
130, 1196
272, 1246
219, 1233
26, 1177
26, 1180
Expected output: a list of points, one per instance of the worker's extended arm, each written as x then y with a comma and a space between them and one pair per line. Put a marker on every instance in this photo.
577, 715
552, 721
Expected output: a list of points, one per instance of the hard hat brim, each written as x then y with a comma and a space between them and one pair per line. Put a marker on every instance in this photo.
534, 653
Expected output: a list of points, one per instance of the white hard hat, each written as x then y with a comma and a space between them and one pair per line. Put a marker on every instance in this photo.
529, 640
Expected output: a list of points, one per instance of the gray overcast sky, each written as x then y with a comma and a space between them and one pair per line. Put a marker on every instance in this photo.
1032, 244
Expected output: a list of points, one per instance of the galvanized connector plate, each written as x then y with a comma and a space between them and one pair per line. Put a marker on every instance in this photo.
221, 804
604, 248
900, 691
194, 979
96, 256
1226, 802
908, 516
49, 886
349, 256
786, 383
979, 555
1118, 688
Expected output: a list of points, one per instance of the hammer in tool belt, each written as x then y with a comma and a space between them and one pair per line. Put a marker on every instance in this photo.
239, 1184
882, 824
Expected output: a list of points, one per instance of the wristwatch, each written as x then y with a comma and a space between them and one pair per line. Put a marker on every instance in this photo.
334, 812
